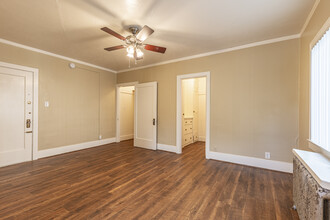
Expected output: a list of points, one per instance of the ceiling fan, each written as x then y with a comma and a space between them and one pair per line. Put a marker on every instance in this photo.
134, 42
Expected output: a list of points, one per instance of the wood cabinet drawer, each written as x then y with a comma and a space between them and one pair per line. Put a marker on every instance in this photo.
187, 139
187, 129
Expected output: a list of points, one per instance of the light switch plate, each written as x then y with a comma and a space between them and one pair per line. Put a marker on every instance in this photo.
46, 104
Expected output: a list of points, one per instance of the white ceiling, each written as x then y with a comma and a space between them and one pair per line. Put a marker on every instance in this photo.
184, 27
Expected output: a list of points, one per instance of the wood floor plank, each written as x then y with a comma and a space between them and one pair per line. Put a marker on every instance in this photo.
119, 181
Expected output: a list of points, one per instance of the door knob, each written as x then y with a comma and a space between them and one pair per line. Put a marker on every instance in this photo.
154, 121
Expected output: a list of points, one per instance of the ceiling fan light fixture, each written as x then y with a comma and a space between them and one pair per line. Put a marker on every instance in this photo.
134, 42
139, 53
130, 49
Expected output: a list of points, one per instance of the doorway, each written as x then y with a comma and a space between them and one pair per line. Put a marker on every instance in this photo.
18, 114
193, 110
125, 111
137, 105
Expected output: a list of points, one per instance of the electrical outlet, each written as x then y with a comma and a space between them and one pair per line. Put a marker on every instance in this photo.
267, 155
100, 137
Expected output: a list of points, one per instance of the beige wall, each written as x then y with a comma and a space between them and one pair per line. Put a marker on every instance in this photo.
82, 100
254, 98
318, 19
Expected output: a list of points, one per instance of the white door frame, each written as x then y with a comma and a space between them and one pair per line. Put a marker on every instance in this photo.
179, 110
35, 73
118, 106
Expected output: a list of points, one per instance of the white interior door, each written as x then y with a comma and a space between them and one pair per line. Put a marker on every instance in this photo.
15, 115
145, 116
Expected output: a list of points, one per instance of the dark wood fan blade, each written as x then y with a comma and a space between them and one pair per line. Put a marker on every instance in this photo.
114, 48
109, 31
155, 48
144, 33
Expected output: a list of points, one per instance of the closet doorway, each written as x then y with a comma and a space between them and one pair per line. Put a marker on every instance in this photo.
136, 114
125, 111
193, 114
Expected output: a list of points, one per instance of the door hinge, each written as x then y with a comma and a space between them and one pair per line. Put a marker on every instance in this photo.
28, 123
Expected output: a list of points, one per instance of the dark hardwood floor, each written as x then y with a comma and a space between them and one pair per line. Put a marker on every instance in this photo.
119, 181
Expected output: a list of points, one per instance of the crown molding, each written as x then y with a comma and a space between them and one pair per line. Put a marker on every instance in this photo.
309, 17
311, 13
259, 43
173, 60
54, 55
270, 41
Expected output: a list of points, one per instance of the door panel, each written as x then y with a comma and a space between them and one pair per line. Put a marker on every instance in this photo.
12, 97
145, 120
16, 109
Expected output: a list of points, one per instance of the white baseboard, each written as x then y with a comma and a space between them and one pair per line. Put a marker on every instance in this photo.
165, 147
126, 137
74, 147
12, 161
201, 138
252, 161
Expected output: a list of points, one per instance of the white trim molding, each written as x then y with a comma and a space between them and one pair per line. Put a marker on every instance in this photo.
35, 117
53, 55
252, 161
165, 147
201, 138
126, 137
255, 44
35, 113
311, 13
259, 43
74, 147
320, 34
207, 75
